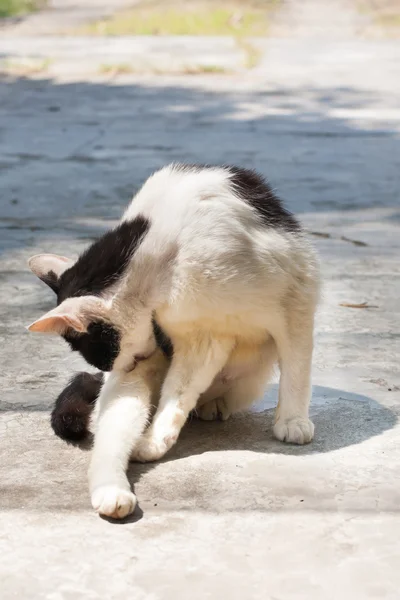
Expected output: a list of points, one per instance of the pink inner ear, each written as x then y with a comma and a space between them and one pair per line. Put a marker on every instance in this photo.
56, 324
42, 264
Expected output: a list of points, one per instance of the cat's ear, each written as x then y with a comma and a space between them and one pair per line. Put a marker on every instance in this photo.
49, 268
73, 313
57, 324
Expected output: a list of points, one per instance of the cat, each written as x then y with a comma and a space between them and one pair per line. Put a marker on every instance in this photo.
212, 256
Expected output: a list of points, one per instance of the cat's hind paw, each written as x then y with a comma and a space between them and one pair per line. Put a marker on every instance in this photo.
213, 410
297, 430
150, 450
113, 501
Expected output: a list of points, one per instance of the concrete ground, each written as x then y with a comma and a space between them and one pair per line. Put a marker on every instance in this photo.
230, 512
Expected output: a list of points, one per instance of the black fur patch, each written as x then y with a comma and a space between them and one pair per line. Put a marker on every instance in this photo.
51, 280
162, 340
99, 346
103, 263
73, 407
254, 190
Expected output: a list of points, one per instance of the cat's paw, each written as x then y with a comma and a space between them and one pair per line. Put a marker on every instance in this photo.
150, 449
113, 501
297, 430
213, 410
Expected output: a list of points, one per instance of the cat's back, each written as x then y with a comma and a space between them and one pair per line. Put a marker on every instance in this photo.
233, 240
186, 200
176, 191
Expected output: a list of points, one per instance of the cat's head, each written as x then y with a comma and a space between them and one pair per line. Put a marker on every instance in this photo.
89, 315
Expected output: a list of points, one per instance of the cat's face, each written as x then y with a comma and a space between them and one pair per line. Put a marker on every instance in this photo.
91, 324
99, 345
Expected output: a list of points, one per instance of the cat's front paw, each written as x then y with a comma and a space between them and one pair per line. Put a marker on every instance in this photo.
213, 410
113, 501
297, 430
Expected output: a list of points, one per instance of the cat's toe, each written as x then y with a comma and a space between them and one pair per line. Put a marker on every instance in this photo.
213, 410
297, 430
113, 501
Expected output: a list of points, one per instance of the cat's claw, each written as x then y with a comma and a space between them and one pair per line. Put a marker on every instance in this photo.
113, 501
297, 430
213, 410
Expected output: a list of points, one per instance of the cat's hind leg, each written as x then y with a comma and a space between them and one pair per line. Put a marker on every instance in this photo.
295, 347
259, 364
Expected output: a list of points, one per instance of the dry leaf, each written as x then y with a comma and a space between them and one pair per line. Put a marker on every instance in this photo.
325, 235
355, 242
320, 234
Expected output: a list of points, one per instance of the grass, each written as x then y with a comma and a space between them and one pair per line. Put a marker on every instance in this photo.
123, 69
238, 19
388, 20
14, 8
210, 69
26, 67
251, 53
385, 14
115, 69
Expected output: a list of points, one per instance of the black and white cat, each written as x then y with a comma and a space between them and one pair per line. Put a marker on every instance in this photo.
211, 255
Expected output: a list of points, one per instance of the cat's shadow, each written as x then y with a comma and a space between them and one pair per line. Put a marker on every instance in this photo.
342, 419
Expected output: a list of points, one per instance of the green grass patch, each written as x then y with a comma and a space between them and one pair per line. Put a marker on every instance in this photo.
115, 70
210, 69
14, 8
25, 68
244, 19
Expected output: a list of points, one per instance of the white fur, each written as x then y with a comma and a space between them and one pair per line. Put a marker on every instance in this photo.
121, 415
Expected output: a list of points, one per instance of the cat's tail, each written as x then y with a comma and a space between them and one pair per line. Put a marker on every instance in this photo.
71, 413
